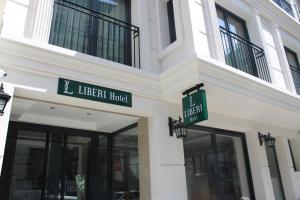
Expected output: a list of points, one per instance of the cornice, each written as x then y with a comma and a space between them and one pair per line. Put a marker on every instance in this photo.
52, 61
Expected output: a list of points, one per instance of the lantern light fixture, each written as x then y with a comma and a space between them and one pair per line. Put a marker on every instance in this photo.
268, 139
4, 99
177, 127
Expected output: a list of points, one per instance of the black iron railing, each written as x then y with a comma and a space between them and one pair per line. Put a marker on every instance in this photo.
285, 6
243, 55
296, 77
87, 31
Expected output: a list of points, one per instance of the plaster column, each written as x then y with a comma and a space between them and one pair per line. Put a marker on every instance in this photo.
144, 159
257, 37
286, 168
283, 59
168, 180
259, 167
2, 6
213, 30
43, 19
4, 120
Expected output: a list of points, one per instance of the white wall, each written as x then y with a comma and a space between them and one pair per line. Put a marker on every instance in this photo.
9, 89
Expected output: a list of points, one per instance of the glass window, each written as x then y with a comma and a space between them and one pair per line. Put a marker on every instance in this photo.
171, 19
292, 58
295, 153
275, 173
294, 66
126, 165
78, 25
215, 166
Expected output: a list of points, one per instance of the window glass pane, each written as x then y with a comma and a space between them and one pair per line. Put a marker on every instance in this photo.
76, 167
221, 19
126, 165
27, 175
236, 27
171, 19
292, 59
232, 167
275, 173
215, 166
201, 169
295, 150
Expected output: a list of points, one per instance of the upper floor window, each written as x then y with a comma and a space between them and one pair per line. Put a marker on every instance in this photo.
171, 20
294, 66
232, 23
96, 27
239, 52
285, 5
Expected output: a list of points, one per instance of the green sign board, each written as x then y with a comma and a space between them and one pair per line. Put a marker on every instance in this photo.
93, 92
194, 108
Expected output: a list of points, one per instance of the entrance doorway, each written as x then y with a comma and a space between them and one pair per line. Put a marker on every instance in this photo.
217, 165
47, 162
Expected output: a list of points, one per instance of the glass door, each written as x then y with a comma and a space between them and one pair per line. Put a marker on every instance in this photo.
54, 164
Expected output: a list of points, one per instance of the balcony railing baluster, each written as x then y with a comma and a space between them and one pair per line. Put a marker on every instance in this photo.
87, 31
243, 55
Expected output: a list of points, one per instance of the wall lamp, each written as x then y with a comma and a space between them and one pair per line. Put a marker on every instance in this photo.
178, 127
268, 139
4, 98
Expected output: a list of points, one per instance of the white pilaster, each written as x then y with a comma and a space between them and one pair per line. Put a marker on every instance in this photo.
168, 180
43, 19
4, 120
286, 168
259, 39
283, 59
211, 19
259, 167
2, 6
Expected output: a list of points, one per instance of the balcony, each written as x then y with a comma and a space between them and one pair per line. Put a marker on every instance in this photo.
243, 55
85, 30
285, 6
296, 77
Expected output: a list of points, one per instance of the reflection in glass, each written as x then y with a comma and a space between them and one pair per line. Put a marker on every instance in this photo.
27, 175
125, 165
215, 166
275, 173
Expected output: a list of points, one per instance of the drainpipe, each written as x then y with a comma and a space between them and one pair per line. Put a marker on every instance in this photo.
2, 6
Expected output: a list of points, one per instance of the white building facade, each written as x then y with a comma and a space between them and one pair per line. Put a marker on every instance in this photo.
128, 61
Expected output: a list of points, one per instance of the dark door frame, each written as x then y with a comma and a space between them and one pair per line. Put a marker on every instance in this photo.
217, 131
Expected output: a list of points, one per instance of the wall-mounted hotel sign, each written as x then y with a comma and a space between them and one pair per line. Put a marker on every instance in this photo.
93, 92
194, 106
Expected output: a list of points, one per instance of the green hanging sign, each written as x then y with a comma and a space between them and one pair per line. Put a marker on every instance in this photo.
194, 107
93, 92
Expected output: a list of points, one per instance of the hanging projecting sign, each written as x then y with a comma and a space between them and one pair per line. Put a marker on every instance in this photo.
93, 92
194, 107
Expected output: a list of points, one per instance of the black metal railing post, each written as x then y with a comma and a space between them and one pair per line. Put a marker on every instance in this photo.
285, 6
87, 31
244, 55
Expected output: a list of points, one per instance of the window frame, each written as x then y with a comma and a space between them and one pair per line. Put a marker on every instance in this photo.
242, 136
